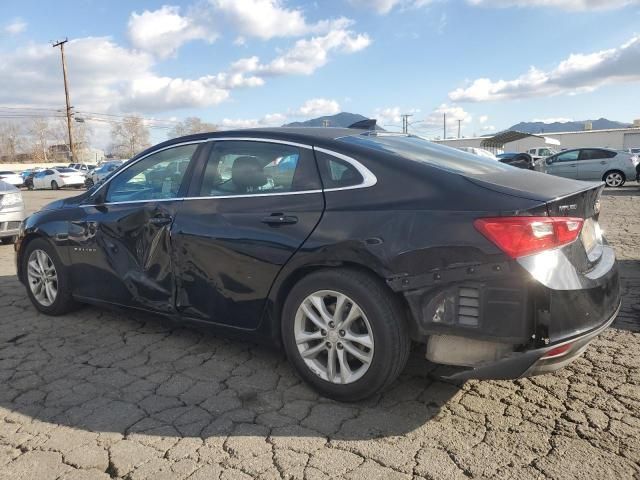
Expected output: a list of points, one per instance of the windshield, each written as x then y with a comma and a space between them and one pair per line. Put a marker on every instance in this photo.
424, 151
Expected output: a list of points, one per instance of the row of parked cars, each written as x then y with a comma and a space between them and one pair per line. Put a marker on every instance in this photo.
75, 175
614, 167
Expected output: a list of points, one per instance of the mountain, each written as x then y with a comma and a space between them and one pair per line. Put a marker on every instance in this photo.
541, 127
342, 119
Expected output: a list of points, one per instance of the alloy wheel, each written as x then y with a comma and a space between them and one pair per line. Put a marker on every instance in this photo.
334, 337
42, 277
614, 179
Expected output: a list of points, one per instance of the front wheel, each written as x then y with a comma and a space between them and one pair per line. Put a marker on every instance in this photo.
614, 178
54, 185
46, 278
345, 333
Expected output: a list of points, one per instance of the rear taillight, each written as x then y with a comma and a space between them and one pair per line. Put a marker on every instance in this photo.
520, 236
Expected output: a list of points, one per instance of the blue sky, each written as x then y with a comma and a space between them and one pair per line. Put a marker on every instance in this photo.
488, 63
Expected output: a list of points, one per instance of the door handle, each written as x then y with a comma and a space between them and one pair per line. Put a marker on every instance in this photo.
280, 219
160, 220
603, 163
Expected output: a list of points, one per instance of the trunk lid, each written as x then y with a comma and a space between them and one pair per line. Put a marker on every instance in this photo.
561, 197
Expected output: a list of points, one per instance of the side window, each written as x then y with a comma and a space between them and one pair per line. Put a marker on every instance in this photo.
570, 156
592, 154
155, 177
253, 167
337, 173
607, 154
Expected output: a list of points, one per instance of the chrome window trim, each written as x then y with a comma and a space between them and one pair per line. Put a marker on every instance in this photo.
257, 139
369, 179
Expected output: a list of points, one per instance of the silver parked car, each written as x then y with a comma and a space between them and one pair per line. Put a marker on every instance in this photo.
11, 212
614, 167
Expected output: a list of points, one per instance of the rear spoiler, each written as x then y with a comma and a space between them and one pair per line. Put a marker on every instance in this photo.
367, 124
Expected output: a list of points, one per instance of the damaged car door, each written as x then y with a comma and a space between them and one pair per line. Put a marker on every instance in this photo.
120, 249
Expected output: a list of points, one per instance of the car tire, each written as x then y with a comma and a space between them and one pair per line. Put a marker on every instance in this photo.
54, 185
62, 302
614, 178
381, 325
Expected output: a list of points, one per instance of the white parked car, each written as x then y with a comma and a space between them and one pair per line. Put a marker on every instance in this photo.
11, 212
538, 155
100, 173
55, 178
12, 178
82, 167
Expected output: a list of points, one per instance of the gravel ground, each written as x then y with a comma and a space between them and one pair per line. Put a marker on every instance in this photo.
98, 394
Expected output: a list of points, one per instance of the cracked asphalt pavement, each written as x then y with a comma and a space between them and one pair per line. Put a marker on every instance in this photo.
99, 395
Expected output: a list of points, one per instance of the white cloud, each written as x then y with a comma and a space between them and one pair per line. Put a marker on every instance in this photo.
577, 74
382, 7
392, 117
269, 120
488, 128
453, 114
553, 120
306, 56
573, 5
16, 26
107, 77
483, 119
267, 19
163, 31
317, 107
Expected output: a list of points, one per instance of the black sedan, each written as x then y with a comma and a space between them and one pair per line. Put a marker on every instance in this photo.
342, 246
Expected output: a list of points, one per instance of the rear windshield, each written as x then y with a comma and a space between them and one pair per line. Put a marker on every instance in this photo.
424, 151
67, 170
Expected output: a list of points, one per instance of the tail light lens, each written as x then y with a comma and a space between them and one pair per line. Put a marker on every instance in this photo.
520, 236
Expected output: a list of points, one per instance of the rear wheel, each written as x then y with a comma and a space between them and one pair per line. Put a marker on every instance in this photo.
345, 333
54, 185
614, 178
47, 279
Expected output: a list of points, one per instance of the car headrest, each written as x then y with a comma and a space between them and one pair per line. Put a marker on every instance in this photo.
247, 172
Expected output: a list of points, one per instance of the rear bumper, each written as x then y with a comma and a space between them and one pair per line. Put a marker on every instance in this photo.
532, 362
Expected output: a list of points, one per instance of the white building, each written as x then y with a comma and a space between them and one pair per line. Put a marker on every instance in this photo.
617, 139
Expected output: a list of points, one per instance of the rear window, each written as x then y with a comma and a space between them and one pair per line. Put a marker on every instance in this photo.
67, 170
423, 151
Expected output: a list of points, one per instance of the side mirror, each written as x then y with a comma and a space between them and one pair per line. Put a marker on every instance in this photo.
549, 161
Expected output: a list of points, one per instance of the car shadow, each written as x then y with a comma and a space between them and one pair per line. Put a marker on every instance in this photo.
102, 371
629, 316
629, 190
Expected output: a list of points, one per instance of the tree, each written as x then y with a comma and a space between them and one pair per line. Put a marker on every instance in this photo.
41, 134
129, 137
191, 125
10, 141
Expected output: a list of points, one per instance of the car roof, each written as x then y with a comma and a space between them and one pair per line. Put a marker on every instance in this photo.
294, 134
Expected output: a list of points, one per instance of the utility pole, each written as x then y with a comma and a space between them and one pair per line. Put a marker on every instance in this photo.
405, 122
459, 122
445, 127
66, 94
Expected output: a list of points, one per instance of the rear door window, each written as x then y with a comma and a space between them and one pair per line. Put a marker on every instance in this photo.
242, 167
